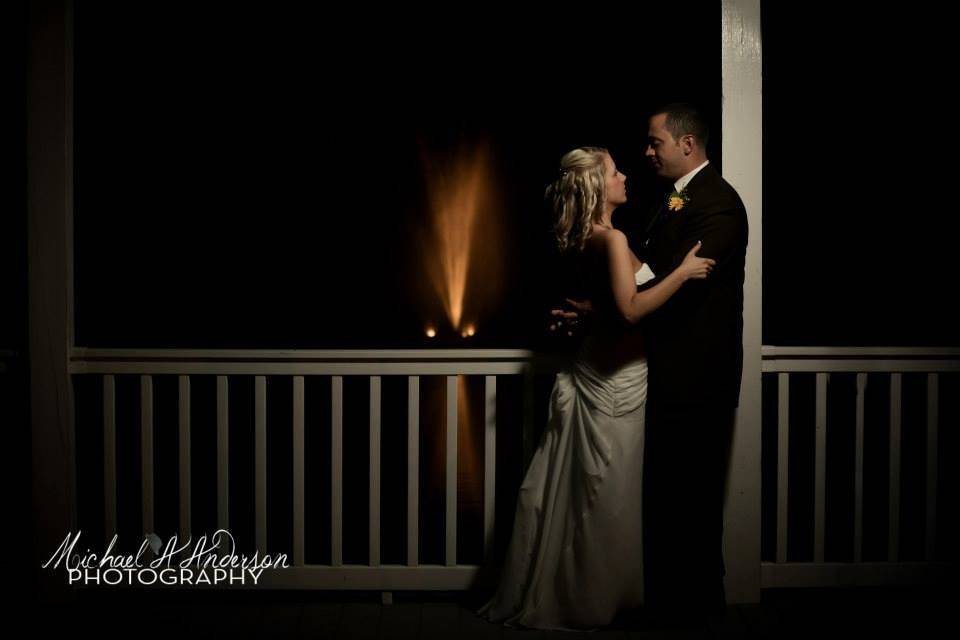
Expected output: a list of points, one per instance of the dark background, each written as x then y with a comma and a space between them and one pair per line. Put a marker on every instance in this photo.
859, 218
246, 179
243, 181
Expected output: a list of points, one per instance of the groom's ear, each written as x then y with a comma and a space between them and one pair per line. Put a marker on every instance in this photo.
687, 144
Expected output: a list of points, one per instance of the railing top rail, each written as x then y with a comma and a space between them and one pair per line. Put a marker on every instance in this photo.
86, 354
468, 361
827, 353
442, 355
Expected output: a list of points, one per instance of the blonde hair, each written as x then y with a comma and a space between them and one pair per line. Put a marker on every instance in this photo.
577, 196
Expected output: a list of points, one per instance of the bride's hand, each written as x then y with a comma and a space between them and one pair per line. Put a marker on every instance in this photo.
570, 320
694, 267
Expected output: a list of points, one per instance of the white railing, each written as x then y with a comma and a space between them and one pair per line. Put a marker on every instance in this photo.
778, 361
298, 364
822, 362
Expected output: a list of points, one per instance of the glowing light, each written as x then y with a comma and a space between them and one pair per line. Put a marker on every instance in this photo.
431, 332
463, 236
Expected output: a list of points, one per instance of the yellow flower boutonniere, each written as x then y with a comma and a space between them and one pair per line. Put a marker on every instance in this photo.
677, 200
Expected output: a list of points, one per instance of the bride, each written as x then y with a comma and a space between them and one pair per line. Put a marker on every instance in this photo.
575, 556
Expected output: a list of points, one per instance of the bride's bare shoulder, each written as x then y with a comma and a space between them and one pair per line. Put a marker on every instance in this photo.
607, 240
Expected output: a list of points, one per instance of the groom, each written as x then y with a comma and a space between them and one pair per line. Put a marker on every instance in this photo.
695, 358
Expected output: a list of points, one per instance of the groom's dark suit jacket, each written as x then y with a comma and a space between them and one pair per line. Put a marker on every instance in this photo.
695, 340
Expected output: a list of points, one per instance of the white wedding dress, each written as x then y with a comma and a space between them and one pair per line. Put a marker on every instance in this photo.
575, 558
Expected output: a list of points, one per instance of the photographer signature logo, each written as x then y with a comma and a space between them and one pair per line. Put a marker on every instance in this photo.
199, 563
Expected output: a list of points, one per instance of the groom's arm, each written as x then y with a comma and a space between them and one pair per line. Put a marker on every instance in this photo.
723, 232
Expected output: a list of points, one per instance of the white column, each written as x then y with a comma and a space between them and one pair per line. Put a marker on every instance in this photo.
742, 162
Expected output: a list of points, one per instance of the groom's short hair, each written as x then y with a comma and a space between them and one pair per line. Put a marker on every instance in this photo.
685, 119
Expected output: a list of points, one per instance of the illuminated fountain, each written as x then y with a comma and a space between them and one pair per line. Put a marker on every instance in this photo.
462, 245
462, 259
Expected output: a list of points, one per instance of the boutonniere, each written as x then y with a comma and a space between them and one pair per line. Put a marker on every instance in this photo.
677, 200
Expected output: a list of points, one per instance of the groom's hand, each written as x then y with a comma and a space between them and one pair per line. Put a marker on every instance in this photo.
570, 321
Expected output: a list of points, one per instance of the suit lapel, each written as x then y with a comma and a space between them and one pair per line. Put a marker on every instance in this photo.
663, 218
653, 221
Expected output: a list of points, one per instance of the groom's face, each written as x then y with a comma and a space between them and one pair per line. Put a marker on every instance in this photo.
664, 153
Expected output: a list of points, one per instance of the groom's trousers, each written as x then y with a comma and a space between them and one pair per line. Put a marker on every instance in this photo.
685, 467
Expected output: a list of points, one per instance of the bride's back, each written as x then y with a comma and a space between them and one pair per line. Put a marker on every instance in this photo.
610, 340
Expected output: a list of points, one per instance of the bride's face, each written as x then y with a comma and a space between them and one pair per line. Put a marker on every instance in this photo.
616, 182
